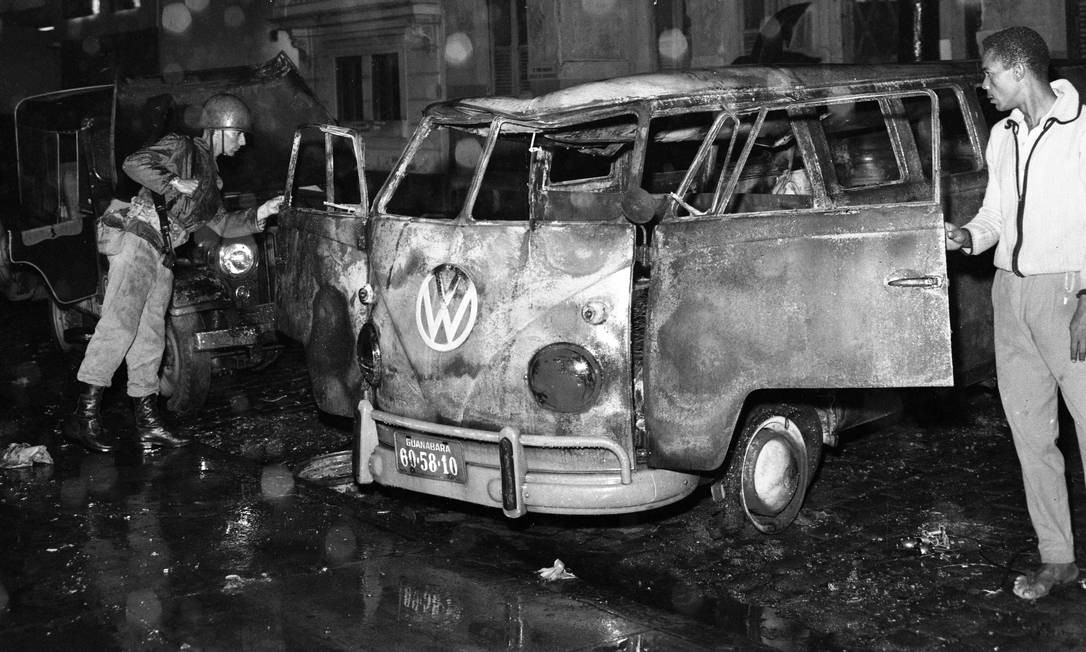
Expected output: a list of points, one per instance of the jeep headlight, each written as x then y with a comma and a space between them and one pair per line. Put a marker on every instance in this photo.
236, 258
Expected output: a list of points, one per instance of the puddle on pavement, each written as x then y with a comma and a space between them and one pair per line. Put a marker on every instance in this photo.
188, 548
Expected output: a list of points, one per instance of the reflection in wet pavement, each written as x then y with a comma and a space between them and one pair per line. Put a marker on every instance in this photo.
193, 550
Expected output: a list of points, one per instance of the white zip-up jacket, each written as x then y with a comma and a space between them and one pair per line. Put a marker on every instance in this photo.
1045, 231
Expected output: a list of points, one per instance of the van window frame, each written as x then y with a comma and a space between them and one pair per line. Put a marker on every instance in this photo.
901, 136
827, 192
973, 118
676, 198
538, 179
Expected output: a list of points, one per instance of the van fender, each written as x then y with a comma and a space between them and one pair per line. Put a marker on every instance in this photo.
330, 353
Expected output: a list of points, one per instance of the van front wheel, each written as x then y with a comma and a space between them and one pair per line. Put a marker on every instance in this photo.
769, 469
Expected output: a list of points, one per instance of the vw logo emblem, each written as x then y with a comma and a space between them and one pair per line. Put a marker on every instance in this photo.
446, 308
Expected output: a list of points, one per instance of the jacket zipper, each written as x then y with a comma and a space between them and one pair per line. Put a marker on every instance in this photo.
1020, 188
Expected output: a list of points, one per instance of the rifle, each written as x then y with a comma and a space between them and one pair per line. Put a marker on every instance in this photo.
169, 258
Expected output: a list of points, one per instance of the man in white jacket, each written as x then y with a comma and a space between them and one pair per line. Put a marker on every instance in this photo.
1034, 213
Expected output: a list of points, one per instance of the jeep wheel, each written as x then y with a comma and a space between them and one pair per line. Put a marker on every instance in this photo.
768, 472
267, 358
186, 372
70, 328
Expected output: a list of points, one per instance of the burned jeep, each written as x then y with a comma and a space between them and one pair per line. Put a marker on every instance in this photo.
70, 145
596, 300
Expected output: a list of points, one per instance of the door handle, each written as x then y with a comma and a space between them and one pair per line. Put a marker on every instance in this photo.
915, 282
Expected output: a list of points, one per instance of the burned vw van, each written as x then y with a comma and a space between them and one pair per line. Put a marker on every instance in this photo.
592, 301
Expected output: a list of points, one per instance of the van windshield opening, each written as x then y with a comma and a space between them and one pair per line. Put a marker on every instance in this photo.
578, 172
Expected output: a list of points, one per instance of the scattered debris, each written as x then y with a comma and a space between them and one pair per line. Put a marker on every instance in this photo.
17, 456
936, 539
556, 572
235, 583
927, 540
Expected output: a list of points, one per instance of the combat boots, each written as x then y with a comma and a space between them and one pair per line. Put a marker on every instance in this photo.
84, 425
152, 432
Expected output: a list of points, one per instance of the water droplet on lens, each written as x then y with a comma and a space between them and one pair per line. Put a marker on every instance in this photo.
276, 481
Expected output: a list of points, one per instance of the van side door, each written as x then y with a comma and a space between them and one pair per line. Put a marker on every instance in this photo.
322, 260
964, 180
819, 265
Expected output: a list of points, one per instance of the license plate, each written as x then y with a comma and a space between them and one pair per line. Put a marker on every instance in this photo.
430, 457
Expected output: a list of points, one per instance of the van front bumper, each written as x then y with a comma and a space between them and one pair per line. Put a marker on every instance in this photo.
507, 483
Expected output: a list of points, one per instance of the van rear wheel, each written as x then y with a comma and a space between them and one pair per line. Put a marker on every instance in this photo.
768, 472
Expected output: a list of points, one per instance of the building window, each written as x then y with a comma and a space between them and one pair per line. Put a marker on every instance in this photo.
349, 89
754, 13
672, 34
386, 87
80, 8
509, 34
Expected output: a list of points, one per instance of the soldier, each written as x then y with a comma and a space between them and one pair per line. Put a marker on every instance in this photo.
182, 171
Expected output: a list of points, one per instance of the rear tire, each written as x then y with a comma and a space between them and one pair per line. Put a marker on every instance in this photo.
770, 468
185, 375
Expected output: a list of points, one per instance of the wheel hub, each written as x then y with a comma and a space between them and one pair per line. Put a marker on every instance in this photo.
775, 476
774, 473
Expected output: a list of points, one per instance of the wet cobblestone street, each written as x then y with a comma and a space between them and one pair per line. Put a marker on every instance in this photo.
910, 538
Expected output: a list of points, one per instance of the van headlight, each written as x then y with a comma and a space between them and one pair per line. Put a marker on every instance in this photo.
565, 377
236, 258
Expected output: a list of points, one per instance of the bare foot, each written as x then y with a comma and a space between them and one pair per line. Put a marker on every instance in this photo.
1038, 583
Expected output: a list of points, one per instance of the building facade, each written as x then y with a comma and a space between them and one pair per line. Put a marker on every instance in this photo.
377, 63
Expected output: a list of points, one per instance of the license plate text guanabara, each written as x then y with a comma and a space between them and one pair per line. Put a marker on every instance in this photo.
429, 457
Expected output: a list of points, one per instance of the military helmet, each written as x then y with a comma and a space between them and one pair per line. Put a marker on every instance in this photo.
225, 111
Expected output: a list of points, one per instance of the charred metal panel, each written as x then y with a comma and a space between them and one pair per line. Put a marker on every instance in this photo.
970, 285
532, 284
853, 298
316, 250
330, 355
320, 271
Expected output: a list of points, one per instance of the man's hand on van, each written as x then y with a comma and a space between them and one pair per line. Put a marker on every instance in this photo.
957, 237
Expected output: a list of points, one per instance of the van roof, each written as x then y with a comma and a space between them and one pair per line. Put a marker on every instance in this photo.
742, 83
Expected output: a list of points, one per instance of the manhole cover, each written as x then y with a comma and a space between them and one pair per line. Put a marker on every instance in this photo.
331, 470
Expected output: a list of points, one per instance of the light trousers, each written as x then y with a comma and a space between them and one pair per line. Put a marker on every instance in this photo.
132, 327
1033, 364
